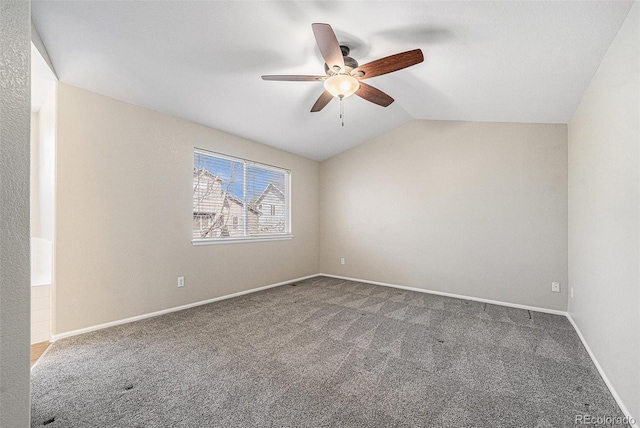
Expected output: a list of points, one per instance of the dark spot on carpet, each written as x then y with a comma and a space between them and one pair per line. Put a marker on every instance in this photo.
440, 341
529, 314
128, 387
48, 421
485, 308
579, 389
294, 284
586, 404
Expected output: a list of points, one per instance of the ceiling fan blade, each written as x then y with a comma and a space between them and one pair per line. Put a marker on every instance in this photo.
389, 64
374, 95
292, 78
328, 44
324, 99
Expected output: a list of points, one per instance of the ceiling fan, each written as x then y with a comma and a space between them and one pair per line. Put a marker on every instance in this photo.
343, 74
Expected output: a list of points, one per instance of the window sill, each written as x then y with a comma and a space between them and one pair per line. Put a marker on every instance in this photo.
198, 242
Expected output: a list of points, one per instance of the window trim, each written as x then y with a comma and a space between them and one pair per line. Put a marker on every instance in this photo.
217, 241
249, 238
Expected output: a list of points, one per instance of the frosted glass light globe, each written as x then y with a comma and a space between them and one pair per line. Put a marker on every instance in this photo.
341, 85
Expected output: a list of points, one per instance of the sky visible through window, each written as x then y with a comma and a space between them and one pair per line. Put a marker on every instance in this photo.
231, 172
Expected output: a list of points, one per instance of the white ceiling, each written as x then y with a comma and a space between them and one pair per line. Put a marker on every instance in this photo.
202, 61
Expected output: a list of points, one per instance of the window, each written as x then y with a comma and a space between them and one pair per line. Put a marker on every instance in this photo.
228, 199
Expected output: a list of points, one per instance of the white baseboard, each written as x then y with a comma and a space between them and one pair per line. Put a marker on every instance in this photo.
602, 373
58, 336
457, 296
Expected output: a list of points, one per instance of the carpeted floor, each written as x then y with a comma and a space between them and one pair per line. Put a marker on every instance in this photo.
326, 352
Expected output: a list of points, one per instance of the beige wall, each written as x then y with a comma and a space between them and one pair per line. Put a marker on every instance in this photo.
478, 209
46, 166
14, 213
604, 210
34, 181
123, 215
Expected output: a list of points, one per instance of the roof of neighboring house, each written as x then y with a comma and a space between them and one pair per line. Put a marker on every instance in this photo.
207, 173
235, 199
239, 202
271, 187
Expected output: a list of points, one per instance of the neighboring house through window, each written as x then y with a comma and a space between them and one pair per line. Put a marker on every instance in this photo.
229, 195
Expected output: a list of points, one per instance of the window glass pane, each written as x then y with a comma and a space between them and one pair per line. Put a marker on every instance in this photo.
235, 198
218, 194
266, 191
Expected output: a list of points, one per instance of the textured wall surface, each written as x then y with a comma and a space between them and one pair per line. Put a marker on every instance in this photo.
124, 214
15, 287
604, 209
470, 208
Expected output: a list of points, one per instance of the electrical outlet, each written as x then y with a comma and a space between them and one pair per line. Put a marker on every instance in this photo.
555, 287
181, 281
342, 261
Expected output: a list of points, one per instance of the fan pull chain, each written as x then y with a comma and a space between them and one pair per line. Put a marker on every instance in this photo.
342, 109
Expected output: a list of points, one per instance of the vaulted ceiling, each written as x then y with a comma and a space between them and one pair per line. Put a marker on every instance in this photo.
202, 61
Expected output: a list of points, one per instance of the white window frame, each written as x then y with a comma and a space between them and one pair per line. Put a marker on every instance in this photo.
248, 238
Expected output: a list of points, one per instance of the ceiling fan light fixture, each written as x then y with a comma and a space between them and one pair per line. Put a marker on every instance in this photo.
341, 85
344, 74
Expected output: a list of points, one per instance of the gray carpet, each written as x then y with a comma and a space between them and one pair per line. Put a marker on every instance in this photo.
325, 352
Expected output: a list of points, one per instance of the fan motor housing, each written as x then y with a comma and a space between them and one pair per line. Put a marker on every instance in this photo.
349, 63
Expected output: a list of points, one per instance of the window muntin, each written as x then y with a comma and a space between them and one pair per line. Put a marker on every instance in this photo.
238, 199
